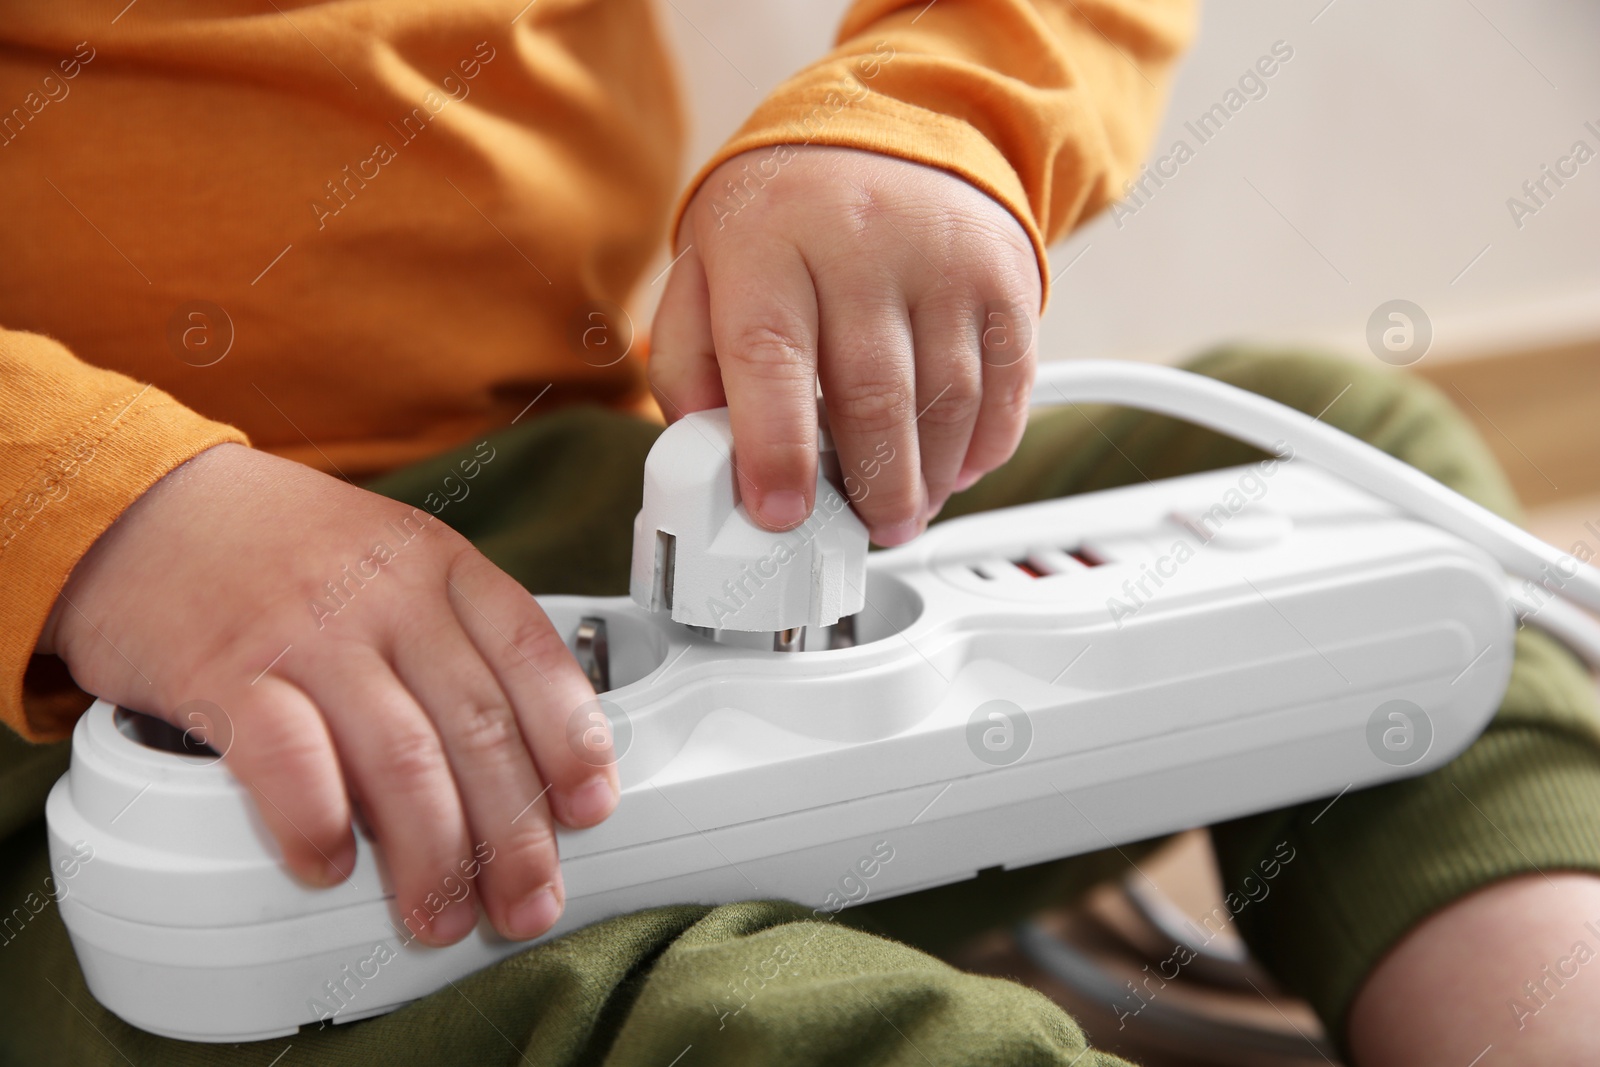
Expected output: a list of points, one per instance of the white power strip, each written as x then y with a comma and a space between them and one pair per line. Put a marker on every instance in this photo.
1021, 685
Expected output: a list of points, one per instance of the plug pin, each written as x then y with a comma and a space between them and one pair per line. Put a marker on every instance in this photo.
790, 640
844, 633
593, 652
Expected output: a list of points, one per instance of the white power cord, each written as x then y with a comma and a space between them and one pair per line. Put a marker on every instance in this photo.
1272, 426
1565, 622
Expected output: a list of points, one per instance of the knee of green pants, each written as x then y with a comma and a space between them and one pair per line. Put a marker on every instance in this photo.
766, 983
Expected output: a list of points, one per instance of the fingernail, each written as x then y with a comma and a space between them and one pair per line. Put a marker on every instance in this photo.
335, 869
333, 873
590, 802
454, 923
783, 509
967, 479
897, 534
536, 913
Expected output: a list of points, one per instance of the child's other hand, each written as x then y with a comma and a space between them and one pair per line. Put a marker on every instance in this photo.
911, 293
434, 693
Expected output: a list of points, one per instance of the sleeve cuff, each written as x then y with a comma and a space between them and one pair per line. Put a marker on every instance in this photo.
829, 105
81, 475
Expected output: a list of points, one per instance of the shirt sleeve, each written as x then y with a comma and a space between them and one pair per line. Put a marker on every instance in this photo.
1046, 105
77, 446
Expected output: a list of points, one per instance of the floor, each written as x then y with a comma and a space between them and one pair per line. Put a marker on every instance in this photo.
1537, 412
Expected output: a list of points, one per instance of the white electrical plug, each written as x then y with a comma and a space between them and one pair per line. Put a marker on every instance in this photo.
698, 555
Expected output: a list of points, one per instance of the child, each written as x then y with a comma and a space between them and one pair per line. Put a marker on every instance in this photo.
370, 232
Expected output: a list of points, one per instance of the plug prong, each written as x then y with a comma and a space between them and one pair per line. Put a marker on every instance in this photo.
593, 652
790, 640
844, 633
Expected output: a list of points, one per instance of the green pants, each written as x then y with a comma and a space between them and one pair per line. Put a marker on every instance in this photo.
666, 987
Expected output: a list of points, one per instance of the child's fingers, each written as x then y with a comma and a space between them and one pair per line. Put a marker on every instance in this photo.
683, 362
494, 772
396, 762
553, 700
764, 321
868, 380
949, 390
279, 747
1007, 369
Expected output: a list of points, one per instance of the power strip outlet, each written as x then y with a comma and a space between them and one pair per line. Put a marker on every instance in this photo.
1020, 686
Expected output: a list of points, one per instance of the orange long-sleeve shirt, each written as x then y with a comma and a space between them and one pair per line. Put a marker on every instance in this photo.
361, 232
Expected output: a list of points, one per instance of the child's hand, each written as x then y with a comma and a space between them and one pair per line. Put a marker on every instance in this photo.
433, 693
913, 294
